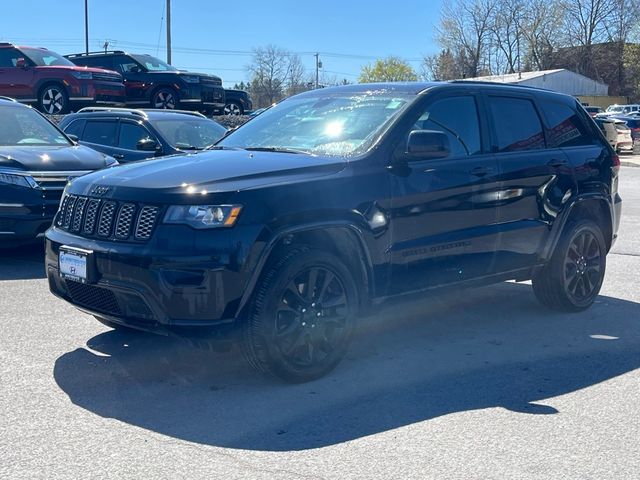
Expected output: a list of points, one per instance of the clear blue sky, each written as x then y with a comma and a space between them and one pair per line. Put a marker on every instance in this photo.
359, 30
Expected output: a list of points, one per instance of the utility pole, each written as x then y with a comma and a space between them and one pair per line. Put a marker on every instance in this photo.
169, 32
318, 67
86, 26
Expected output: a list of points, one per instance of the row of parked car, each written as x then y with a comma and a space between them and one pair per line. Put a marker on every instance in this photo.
620, 125
57, 84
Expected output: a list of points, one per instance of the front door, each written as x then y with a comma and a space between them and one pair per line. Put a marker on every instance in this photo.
16, 82
443, 211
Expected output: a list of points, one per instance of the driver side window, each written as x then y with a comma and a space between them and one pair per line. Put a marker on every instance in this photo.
457, 118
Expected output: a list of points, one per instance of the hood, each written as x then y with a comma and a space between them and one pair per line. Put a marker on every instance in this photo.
52, 158
180, 178
206, 76
79, 68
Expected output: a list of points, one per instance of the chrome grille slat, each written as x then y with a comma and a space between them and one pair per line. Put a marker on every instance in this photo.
146, 221
106, 218
69, 211
78, 214
125, 219
92, 213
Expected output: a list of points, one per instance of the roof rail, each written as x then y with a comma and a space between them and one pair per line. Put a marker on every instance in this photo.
166, 110
99, 52
2, 97
132, 111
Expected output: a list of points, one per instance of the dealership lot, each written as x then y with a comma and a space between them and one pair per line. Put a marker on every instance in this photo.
483, 385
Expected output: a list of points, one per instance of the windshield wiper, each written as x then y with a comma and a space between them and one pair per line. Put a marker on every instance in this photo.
213, 146
278, 150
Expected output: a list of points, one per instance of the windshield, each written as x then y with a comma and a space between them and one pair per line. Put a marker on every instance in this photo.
335, 124
23, 126
45, 58
154, 64
192, 133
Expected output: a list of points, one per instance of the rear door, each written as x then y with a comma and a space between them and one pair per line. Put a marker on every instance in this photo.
101, 134
442, 215
535, 177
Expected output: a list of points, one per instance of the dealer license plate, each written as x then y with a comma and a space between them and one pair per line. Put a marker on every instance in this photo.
73, 263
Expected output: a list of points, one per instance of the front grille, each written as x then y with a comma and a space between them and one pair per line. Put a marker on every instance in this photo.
55, 180
107, 77
94, 298
146, 221
107, 219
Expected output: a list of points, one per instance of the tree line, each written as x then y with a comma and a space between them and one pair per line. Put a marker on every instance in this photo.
597, 38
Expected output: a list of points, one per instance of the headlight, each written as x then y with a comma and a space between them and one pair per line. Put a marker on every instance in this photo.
203, 216
17, 179
191, 78
82, 75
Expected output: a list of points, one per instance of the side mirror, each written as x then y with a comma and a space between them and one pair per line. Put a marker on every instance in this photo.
428, 144
73, 138
147, 145
21, 63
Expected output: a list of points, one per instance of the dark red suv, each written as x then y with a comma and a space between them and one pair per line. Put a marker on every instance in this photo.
50, 81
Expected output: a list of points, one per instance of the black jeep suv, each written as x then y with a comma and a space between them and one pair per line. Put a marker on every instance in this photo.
150, 82
335, 200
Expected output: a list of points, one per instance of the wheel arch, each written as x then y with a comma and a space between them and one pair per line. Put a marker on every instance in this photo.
342, 239
594, 206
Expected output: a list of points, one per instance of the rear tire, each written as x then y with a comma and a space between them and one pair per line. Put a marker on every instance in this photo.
572, 278
302, 316
233, 108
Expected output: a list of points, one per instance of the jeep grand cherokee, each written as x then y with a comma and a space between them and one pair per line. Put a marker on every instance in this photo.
335, 200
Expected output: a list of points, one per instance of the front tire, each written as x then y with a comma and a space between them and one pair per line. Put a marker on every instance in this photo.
572, 278
302, 317
53, 100
165, 99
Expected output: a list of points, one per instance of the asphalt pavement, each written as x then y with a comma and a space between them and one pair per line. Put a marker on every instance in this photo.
484, 384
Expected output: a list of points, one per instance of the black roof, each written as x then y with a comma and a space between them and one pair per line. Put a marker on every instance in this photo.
147, 113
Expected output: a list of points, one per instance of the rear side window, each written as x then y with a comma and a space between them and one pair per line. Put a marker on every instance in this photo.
75, 128
9, 57
516, 123
565, 126
456, 117
101, 132
131, 134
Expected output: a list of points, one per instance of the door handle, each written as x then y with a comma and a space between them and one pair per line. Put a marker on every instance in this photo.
481, 171
556, 162
118, 156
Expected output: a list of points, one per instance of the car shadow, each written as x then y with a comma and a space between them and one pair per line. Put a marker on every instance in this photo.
412, 362
23, 262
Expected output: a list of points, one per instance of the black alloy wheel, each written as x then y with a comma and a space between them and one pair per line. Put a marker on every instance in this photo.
303, 316
582, 266
311, 317
572, 278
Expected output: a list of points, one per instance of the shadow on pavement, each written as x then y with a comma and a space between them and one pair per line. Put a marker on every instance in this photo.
22, 262
491, 347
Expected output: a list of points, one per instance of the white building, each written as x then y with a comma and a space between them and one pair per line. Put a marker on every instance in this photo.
559, 80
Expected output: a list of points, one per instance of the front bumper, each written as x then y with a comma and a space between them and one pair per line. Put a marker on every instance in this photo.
26, 213
202, 96
153, 286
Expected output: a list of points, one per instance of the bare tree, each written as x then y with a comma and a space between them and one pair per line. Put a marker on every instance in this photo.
268, 71
542, 27
464, 30
507, 37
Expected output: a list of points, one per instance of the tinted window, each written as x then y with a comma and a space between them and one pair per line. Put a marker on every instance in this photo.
190, 133
9, 57
456, 117
131, 134
125, 64
517, 125
566, 128
100, 131
100, 62
75, 128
